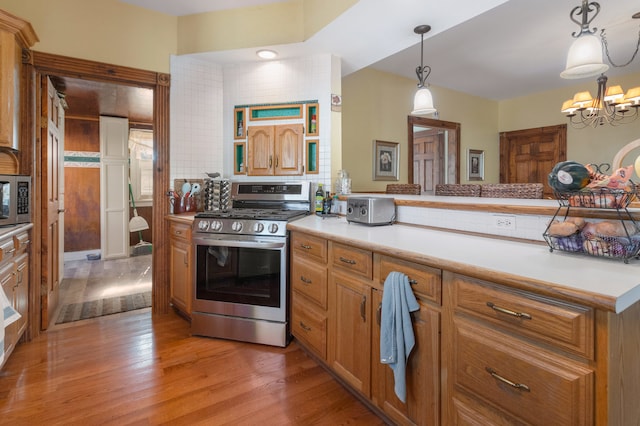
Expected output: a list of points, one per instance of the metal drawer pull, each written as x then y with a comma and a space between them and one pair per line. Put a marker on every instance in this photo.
508, 311
413, 282
496, 376
379, 314
349, 261
304, 327
306, 247
305, 280
363, 305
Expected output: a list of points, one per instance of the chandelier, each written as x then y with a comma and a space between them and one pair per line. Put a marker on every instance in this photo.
585, 59
610, 106
423, 100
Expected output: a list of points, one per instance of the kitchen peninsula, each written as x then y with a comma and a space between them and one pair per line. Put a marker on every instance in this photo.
507, 331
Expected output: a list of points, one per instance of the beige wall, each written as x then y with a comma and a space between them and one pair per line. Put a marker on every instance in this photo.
376, 106
105, 31
586, 145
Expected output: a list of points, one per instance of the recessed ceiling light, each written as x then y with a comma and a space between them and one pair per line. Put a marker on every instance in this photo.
267, 54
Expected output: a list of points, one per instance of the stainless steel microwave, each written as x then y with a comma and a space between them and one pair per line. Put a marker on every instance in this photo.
15, 193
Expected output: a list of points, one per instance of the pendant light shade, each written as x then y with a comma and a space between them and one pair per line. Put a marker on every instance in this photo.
423, 102
584, 58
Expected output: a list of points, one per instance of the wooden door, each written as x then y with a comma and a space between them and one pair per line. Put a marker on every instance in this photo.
260, 146
288, 149
350, 345
527, 156
428, 155
51, 137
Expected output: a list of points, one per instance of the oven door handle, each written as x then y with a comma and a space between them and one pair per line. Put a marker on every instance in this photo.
237, 243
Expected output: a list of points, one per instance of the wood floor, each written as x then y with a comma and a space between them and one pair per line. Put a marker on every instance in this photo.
140, 369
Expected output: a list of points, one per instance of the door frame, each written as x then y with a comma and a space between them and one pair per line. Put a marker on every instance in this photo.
38, 64
438, 124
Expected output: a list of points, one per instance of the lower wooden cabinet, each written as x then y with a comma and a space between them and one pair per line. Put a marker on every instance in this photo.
422, 406
350, 333
180, 266
15, 282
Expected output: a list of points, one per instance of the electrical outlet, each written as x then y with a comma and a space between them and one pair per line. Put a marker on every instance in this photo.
504, 221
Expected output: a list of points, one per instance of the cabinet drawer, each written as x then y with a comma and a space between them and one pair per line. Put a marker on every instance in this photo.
548, 320
523, 380
425, 281
309, 326
310, 279
352, 259
180, 231
309, 246
21, 241
7, 248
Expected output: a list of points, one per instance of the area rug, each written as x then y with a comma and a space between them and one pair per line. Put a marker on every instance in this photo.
98, 308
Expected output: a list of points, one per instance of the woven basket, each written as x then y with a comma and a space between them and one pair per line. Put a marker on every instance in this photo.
403, 188
512, 190
458, 189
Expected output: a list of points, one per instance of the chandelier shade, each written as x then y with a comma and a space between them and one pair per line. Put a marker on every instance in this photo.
423, 102
584, 58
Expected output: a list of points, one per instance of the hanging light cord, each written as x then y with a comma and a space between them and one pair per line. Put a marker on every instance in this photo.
606, 50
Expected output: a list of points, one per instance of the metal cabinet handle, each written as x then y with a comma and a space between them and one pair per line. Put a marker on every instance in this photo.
379, 314
515, 385
363, 305
349, 261
276, 161
306, 247
305, 280
304, 327
412, 281
178, 232
522, 315
270, 161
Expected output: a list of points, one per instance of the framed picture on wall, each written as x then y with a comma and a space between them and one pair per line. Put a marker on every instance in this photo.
386, 159
475, 166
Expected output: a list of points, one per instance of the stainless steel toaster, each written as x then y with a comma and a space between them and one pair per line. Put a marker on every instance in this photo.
371, 210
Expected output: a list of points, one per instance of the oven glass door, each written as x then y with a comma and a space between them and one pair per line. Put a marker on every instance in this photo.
249, 272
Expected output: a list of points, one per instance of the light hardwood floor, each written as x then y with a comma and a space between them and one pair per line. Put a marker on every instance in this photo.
135, 368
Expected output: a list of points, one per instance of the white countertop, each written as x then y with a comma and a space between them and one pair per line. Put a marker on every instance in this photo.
605, 283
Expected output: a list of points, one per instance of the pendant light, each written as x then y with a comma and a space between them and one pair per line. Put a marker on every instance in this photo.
585, 54
423, 100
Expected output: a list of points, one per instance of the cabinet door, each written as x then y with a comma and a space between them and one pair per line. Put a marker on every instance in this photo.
260, 146
21, 292
8, 282
423, 370
180, 278
351, 331
288, 149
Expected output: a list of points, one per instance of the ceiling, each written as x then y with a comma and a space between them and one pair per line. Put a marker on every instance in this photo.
494, 49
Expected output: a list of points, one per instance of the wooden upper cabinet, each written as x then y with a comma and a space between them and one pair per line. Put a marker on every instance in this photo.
275, 150
288, 149
260, 145
15, 35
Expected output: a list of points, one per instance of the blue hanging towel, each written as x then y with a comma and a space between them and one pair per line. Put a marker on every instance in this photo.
396, 331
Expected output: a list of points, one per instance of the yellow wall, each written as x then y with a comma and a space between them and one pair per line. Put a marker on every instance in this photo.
105, 31
376, 106
586, 145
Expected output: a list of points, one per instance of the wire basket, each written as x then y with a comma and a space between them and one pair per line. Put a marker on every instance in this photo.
600, 198
597, 245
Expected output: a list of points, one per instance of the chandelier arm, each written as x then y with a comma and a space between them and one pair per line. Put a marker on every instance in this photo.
606, 50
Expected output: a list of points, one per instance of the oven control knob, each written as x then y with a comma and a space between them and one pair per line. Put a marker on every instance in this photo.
236, 226
258, 227
273, 228
203, 225
349, 209
216, 225
363, 211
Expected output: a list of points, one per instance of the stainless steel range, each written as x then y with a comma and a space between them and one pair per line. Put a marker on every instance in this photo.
241, 263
